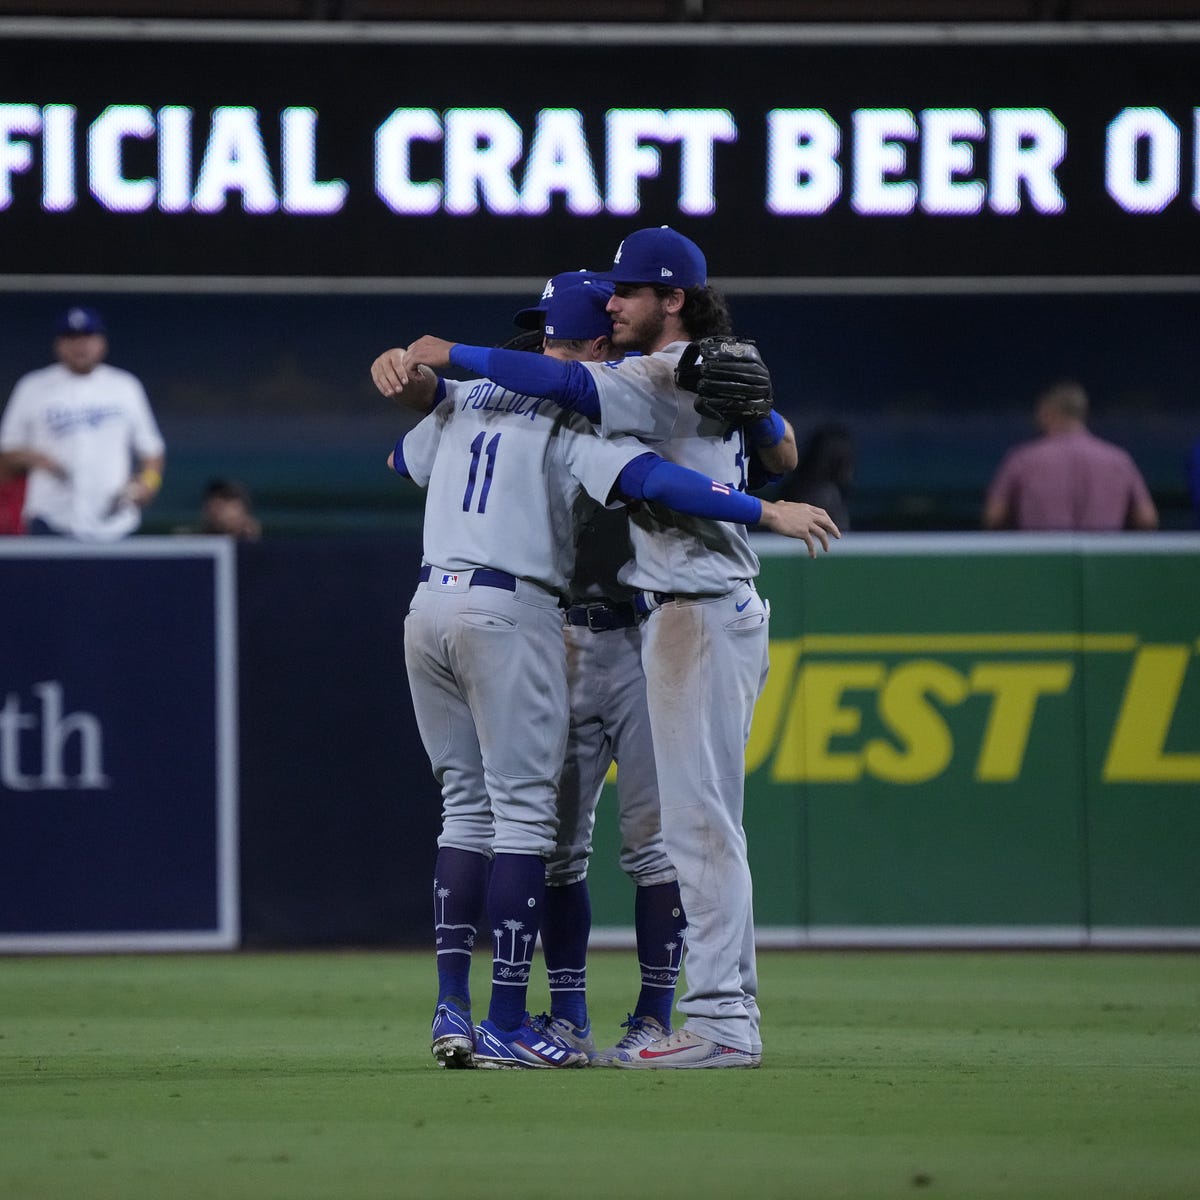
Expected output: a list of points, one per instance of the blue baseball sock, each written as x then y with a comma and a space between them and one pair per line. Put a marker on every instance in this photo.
566, 925
514, 907
660, 925
459, 885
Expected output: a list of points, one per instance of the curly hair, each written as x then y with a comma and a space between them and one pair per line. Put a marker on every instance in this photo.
705, 312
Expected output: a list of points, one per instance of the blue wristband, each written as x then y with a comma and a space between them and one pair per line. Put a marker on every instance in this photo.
767, 431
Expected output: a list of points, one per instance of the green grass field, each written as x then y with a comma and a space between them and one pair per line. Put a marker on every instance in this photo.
1056, 1075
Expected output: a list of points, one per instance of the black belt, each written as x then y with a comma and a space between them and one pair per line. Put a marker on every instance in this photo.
480, 577
660, 598
603, 615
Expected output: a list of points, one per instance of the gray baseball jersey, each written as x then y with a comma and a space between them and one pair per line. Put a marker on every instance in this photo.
503, 471
674, 552
483, 638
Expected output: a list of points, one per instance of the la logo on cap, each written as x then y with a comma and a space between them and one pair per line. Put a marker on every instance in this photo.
77, 319
548, 290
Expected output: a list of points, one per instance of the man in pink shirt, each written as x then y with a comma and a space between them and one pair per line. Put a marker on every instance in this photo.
1068, 479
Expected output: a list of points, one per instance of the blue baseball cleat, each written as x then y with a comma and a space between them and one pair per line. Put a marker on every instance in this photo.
453, 1038
528, 1045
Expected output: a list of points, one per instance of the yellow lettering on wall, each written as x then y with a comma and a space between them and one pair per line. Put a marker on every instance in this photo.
926, 743
816, 716
1015, 688
768, 712
1136, 752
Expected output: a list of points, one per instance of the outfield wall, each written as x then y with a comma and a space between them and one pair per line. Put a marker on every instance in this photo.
976, 739
964, 740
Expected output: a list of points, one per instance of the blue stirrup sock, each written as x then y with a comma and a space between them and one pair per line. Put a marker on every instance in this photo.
566, 926
514, 906
660, 926
459, 886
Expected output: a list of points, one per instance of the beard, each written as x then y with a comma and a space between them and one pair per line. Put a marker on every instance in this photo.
643, 334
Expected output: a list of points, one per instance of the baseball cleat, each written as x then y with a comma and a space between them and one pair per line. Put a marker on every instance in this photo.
526, 1046
453, 1038
578, 1037
686, 1049
642, 1031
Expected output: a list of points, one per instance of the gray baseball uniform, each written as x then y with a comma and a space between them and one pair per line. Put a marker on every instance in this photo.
483, 638
705, 654
609, 720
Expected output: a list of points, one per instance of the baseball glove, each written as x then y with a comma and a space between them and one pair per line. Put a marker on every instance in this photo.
730, 379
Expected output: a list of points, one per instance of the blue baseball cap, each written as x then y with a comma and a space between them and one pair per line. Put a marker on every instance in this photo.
578, 311
78, 321
531, 318
659, 256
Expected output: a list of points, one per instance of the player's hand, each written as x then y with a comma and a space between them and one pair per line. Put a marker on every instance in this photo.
428, 351
388, 372
806, 522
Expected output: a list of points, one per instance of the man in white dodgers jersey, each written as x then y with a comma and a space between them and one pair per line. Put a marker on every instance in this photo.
84, 435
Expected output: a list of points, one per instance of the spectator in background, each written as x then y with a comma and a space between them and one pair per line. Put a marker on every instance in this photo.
83, 435
1068, 479
824, 472
225, 508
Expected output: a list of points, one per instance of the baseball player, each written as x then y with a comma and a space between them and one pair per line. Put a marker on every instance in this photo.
705, 637
503, 475
609, 722
75, 428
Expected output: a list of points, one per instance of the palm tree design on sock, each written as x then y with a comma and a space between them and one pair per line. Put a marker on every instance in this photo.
654, 975
512, 968
672, 962
461, 935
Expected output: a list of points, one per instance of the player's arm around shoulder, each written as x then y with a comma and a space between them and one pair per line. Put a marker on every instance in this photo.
416, 389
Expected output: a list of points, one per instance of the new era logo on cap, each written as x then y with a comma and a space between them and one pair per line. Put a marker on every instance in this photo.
652, 255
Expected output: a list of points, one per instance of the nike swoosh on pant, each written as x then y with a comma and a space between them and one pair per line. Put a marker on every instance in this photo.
741, 607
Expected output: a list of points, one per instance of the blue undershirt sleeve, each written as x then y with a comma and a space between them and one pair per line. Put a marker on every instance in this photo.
649, 477
767, 431
569, 384
398, 464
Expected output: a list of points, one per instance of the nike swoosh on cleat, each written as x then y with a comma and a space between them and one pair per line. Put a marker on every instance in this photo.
647, 1053
741, 607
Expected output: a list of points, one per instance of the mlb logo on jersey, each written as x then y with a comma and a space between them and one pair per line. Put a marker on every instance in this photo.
447, 579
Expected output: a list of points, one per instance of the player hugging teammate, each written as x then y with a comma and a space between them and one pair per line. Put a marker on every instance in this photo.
657, 666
